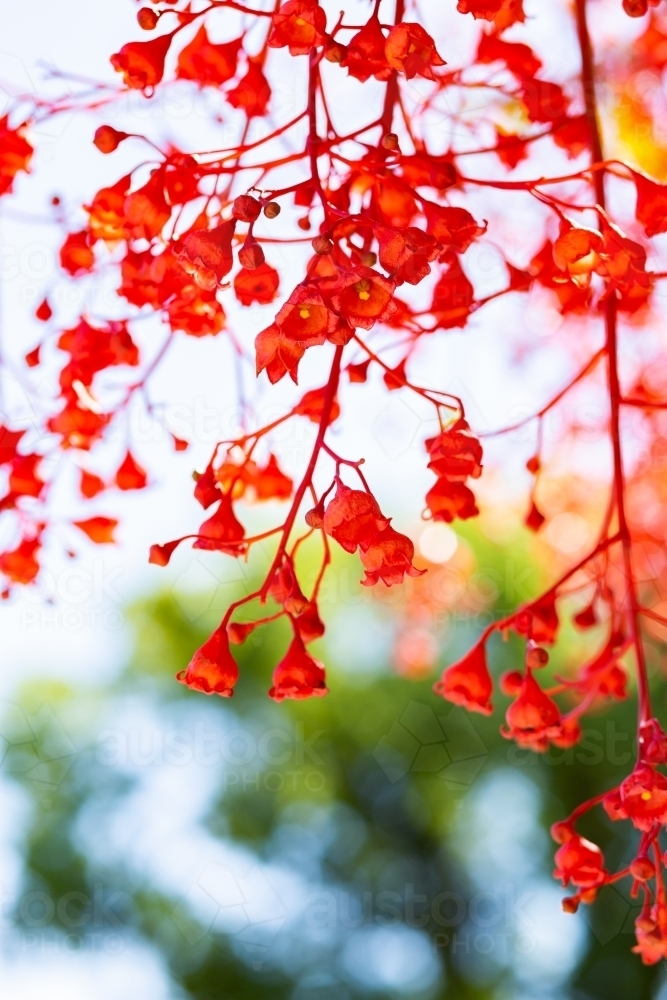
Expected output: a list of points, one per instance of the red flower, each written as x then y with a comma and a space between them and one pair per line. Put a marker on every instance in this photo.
309, 624
196, 312
362, 297
271, 483
468, 683
206, 62
107, 214
539, 622
580, 862
222, 532
146, 210
212, 669
142, 63
15, 154
455, 452
533, 718
99, 529
299, 24
353, 518
209, 251
447, 500
130, 475
298, 675
651, 208
603, 674
20, 565
453, 227
455, 455
312, 404
651, 932
453, 295
279, 354
258, 285
406, 253
252, 93
388, 558
641, 797
207, 491
305, 317
23, 476
75, 254
285, 589
365, 54
653, 742
519, 59
411, 50
90, 484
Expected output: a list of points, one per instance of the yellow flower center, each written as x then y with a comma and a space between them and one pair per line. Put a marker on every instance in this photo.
363, 289
645, 796
300, 21
304, 313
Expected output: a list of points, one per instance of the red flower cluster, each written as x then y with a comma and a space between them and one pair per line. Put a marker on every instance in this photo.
455, 455
383, 207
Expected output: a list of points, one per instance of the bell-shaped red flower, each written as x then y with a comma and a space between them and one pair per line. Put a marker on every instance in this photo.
468, 683
365, 53
212, 669
362, 297
21, 565
298, 675
279, 354
222, 532
411, 50
388, 558
406, 253
641, 798
146, 210
580, 862
533, 717
15, 153
299, 24
539, 622
651, 208
130, 475
305, 317
206, 62
257, 285
353, 518
210, 250
252, 93
142, 63
652, 742
309, 623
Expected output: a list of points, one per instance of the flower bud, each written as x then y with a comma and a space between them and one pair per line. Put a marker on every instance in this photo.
642, 869
272, 210
147, 18
251, 256
390, 141
246, 208
510, 682
536, 658
322, 245
107, 138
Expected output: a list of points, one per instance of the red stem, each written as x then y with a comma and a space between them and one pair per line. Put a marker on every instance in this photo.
615, 398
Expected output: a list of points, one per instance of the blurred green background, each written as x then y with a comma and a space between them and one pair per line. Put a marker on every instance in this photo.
375, 843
